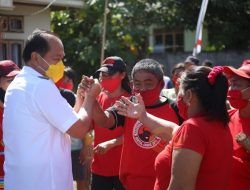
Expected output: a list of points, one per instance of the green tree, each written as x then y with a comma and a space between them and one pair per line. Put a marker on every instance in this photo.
129, 21
227, 21
81, 31
128, 24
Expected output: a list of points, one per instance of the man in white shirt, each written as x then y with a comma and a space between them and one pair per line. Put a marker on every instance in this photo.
38, 120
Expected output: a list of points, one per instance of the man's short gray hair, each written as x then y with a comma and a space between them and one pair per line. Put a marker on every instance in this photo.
150, 66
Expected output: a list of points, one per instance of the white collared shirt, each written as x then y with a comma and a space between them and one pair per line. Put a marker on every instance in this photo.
37, 149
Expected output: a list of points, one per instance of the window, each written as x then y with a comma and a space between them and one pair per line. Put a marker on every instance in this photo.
11, 23
4, 23
3, 51
15, 24
168, 40
12, 49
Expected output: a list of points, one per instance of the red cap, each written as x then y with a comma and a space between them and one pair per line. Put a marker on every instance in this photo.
8, 68
243, 71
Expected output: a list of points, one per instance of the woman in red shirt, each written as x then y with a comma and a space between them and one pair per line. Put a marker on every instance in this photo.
108, 143
199, 155
239, 98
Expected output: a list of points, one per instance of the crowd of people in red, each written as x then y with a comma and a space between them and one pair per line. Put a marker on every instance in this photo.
144, 138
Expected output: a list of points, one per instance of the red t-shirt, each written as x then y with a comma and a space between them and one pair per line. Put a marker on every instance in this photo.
140, 148
107, 164
210, 139
162, 168
241, 159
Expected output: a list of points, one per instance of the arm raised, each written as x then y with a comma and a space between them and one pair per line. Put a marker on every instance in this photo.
158, 126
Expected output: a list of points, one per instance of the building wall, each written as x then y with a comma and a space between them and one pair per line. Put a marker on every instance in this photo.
60, 3
35, 14
189, 39
13, 42
31, 22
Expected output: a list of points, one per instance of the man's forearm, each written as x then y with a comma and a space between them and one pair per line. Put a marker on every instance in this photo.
101, 118
85, 111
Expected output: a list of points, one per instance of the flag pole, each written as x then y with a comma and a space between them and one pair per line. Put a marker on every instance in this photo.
198, 35
104, 31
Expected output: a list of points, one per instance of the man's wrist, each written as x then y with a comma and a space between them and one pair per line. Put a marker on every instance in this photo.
90, 97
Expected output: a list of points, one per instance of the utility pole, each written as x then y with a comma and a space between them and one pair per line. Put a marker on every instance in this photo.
104, 30
198, 35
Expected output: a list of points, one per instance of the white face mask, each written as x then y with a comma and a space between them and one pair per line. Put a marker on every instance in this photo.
55, 71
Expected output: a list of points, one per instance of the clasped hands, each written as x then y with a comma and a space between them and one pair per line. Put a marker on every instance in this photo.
126, 107
89, 87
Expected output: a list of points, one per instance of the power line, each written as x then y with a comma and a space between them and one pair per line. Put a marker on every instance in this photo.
44, 9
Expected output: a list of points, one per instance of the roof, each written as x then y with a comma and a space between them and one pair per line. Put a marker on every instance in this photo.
54, 3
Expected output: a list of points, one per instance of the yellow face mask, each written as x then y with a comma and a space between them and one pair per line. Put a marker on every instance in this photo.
55, 71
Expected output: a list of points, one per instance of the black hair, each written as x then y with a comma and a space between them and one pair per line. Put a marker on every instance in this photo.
150, 66
70, 73
192, 59
2, 95
126, 84
36, 42
211, 97
177, 66
207, 63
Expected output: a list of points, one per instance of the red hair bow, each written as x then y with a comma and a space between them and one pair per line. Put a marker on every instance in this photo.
213, 74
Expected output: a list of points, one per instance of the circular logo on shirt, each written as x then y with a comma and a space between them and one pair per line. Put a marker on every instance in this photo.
143, 137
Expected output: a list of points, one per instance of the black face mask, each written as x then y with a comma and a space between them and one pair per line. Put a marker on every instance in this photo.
2, 95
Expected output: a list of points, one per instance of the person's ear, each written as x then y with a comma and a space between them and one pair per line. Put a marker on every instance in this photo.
34, 56
246, 93
122, 74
